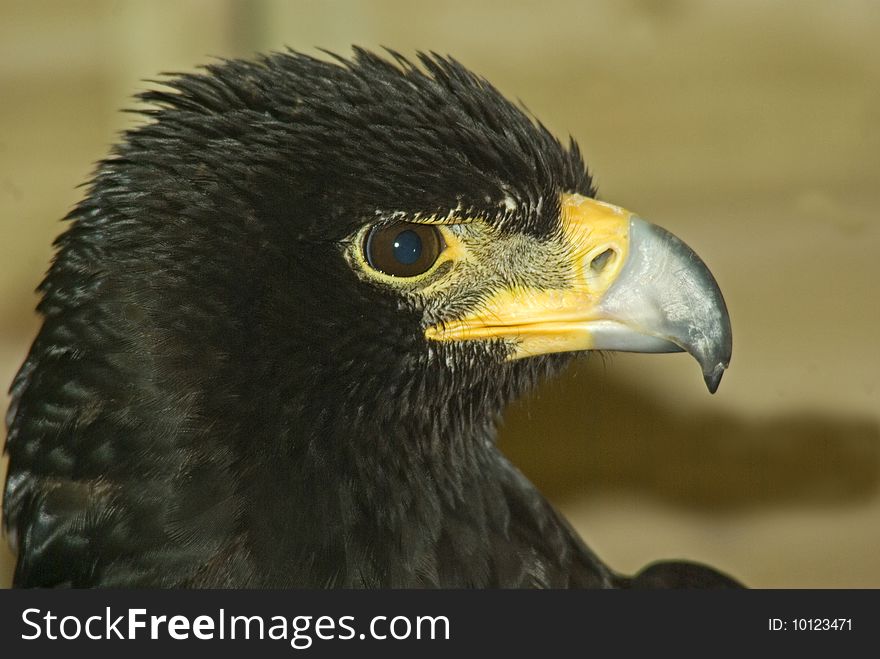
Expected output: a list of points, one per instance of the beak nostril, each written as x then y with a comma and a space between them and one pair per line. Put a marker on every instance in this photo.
601, 261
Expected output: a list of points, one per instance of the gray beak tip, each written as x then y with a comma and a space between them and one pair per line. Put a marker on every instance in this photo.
667, 292
713, 377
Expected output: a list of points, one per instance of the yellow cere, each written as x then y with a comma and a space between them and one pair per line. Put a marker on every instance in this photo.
542, 321
591, 227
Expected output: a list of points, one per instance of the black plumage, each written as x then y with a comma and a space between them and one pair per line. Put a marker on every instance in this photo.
218, 398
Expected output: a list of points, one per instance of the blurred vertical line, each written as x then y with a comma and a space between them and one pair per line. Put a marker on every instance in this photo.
248, 22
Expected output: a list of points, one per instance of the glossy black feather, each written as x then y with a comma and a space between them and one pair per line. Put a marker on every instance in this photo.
215, 399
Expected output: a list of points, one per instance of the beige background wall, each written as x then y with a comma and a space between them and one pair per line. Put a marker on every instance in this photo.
751, 129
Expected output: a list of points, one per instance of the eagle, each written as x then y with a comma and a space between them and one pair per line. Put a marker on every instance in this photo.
282, 324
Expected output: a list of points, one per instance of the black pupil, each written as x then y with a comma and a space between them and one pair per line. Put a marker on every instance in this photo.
407, 247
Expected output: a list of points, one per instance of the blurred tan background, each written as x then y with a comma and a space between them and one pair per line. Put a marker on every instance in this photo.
750, 129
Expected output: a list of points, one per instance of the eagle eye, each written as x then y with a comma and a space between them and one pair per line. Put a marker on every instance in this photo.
403, 249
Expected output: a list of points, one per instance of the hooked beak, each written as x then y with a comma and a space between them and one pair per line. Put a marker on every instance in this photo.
633, 287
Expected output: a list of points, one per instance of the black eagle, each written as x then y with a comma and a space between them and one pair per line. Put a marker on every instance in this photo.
281, 326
